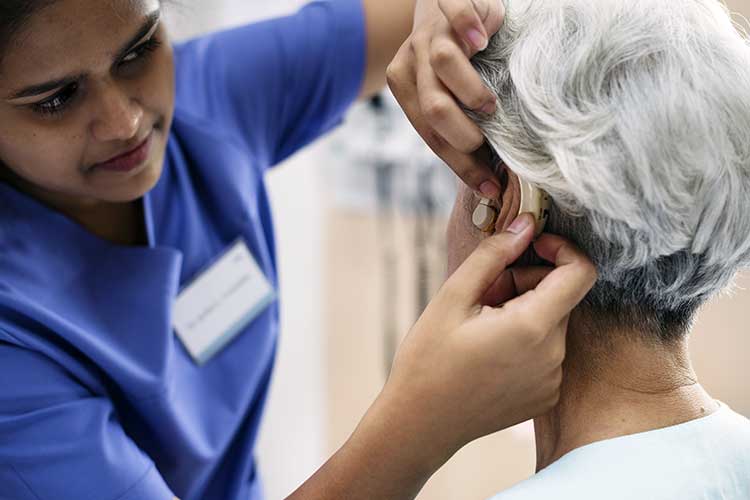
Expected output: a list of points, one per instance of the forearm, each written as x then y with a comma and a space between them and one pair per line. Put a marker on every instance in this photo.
386, 457
389, 23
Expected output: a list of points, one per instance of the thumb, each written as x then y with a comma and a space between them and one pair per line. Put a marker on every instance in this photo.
471, 281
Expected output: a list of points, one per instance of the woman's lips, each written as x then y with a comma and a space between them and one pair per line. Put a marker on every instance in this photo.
129, 161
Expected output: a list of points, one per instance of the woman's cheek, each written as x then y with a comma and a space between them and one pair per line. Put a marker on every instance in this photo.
47, 156
158, 85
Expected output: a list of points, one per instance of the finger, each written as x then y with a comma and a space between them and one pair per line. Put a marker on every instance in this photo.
472, 170
474, 21
443, 113
465, 21
455, 72
502, 290
483, 267
512, 283
492, 13
563, 288
528, 278
572, 267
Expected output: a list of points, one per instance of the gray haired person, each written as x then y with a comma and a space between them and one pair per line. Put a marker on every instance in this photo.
635, 117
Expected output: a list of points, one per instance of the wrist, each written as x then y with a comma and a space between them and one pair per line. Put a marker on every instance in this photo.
405, 437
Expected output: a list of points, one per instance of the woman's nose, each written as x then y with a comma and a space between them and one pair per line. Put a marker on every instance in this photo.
118, 117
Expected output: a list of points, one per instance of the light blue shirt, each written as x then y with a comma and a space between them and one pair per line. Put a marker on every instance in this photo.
707, 459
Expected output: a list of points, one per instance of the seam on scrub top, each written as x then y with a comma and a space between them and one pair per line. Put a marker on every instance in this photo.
137, 483
20, 477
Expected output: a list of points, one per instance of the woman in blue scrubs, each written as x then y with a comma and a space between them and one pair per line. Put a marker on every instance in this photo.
129, 167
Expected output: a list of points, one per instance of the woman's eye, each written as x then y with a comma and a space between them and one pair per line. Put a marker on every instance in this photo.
57, 103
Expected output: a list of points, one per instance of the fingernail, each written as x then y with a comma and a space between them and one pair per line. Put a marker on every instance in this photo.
521, 223
489, 190
476, 39
488, 108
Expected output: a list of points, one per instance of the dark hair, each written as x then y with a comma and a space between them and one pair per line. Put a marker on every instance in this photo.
14, 14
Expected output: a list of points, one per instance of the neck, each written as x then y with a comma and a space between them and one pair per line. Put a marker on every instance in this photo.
119, 223
631, 386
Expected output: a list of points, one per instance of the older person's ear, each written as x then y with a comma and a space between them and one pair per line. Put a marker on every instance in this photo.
510, 198
495, 215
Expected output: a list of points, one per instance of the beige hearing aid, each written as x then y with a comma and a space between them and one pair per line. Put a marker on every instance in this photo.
537, 203
533, 200
484, 216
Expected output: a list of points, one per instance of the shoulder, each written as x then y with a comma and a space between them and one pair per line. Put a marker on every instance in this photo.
691, 460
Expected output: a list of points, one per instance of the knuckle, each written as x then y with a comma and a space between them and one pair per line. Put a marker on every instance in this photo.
396, 73
465, 16
556, 354
533, 333
433, 140
559, 354
421, 38
436, 108
441, 54
558, 377
392, 74
537, 333
553, 399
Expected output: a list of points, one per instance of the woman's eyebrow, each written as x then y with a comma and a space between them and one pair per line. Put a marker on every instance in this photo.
151, 21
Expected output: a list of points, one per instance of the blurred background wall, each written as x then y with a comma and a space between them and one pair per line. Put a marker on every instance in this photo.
360, 220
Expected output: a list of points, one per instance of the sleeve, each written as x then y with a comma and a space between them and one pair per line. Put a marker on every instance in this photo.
58, 441
277, 84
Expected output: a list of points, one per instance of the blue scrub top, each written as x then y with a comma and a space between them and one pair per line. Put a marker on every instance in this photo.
98, 398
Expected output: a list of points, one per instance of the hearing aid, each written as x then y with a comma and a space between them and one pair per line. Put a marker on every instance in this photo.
533, 200
536, 202
484, 216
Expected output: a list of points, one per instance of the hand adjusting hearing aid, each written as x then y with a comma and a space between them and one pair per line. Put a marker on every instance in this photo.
533, 200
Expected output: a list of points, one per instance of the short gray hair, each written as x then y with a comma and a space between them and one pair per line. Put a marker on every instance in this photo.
635, 117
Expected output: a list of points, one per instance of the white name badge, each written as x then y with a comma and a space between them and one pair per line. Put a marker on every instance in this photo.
222, 301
